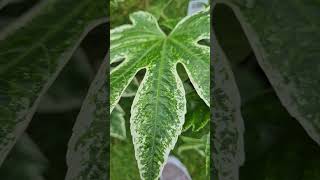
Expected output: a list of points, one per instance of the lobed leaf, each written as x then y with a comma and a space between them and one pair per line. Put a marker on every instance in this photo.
159, 107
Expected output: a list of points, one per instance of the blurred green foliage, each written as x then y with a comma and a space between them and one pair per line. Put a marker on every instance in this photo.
276, 145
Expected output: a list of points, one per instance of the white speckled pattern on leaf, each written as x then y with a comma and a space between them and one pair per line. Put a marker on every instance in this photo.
159, 107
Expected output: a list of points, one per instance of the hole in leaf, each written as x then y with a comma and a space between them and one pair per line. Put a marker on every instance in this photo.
205, 42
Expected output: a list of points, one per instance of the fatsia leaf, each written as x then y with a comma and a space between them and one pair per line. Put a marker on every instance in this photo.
227, 124
117, 125
32, 53
159, 107
285, 38
88, 147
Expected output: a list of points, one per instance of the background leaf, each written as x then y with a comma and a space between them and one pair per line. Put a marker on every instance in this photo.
89, 145
227, 124
284, 36
198, 113
32, 55
25, 161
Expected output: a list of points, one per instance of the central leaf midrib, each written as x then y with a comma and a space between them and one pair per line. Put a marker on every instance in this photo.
45, 37
154, 128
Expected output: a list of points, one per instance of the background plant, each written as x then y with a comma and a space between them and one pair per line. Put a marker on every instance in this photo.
270, 57
35, 46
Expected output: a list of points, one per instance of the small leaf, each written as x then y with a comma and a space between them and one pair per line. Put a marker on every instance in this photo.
201, 146
197, 144
32, 53
117, 126
87, 155
198, 113
159, 107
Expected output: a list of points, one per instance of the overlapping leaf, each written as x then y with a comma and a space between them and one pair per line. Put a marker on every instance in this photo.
198, 113
285, 38
159, 107
88, 147
32, 52
227, 124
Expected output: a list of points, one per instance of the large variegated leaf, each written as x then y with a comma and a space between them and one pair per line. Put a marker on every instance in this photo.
87, 156
159, 107
32, 52
285, 38
227, 124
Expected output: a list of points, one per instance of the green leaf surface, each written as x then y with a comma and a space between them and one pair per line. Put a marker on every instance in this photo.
227, 124
88, 147
284, 36
117, 125
161, 9
199, 145
33, 51
196, 144
123, 165
159, 107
